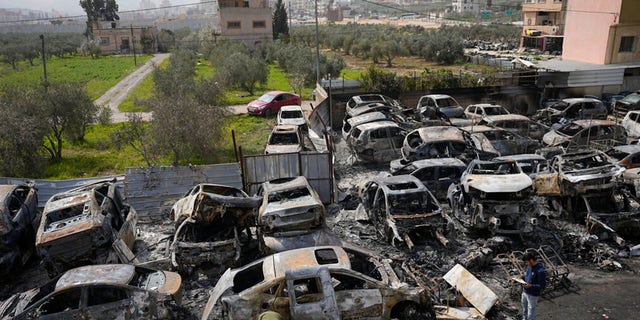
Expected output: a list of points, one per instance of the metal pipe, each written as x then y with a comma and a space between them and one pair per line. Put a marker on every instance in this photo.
317, 46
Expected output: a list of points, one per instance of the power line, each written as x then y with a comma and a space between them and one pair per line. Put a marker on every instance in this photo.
120, 12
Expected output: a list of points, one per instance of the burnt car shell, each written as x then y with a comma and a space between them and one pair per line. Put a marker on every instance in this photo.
246, 292
494, 195
210, 221
400, 207
19, 220
438, 174
79, 226
290, 205
128, 292
578, 173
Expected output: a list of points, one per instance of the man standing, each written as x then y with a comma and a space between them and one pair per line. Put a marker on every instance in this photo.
536, 280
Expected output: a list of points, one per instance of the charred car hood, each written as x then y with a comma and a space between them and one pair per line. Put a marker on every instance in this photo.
497, 183
552, 138
593, 173
15, 304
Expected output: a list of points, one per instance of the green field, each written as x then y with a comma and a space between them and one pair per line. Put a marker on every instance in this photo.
98, 75
97, 156
94, 157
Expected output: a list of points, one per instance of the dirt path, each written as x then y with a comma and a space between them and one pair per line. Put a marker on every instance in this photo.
118, 93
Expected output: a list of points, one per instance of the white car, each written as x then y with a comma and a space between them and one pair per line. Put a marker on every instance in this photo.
292, 115
631, 123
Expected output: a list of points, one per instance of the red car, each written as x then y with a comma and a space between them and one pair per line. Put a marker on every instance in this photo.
269, 103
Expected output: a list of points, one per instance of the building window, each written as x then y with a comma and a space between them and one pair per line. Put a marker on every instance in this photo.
259, 24
104, 41
627, 43
234, 25
246, 4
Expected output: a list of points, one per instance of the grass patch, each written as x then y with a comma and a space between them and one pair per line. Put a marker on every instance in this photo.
351, 74
251, 134
276, 81
97, 156
94, 157
98, 75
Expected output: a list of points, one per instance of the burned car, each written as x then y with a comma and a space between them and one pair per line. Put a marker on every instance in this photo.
494, 196
433, 142
578, 173
572, 109
362, 100
518, 124
402, 209
291, 216
630, 102
284, 139
80, 227
594, 133
478, 111
317, 283
627, 156
438, 174
112, 291
212, 225
531, 164
349, 124
379, 141
440, 103
631, 124
504, 142
19, 220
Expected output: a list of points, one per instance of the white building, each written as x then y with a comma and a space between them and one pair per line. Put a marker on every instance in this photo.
467, 6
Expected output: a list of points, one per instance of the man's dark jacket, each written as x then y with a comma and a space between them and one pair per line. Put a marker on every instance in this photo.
536, 276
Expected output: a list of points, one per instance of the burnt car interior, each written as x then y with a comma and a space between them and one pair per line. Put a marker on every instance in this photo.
284, 139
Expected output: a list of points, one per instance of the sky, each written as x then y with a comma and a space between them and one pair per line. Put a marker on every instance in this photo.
73, 6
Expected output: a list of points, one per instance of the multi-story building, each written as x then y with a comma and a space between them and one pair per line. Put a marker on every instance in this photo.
467, 6
602, 31
248, 21
544, 25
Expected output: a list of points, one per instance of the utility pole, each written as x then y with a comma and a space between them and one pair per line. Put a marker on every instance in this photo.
133, 45
290, 34
44, 63
317, 47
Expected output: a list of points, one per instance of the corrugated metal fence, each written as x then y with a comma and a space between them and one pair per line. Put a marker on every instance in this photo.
47, 188
315, 166
152, 191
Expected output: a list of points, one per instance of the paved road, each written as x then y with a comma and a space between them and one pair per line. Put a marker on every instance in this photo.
117, 94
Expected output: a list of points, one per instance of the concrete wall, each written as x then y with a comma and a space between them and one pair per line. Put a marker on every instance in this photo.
246, 17
587, 29
616, 33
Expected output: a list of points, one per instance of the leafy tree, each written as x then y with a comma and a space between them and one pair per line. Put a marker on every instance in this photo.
106, 10
187, 120
67, 110
444, 48
244, 71
280, 23
21, 135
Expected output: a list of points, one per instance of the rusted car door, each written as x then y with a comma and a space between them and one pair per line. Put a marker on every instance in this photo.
311, 294
357, 298
382, 145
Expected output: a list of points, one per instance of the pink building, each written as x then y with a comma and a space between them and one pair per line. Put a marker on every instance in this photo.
248, 21
602, 31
